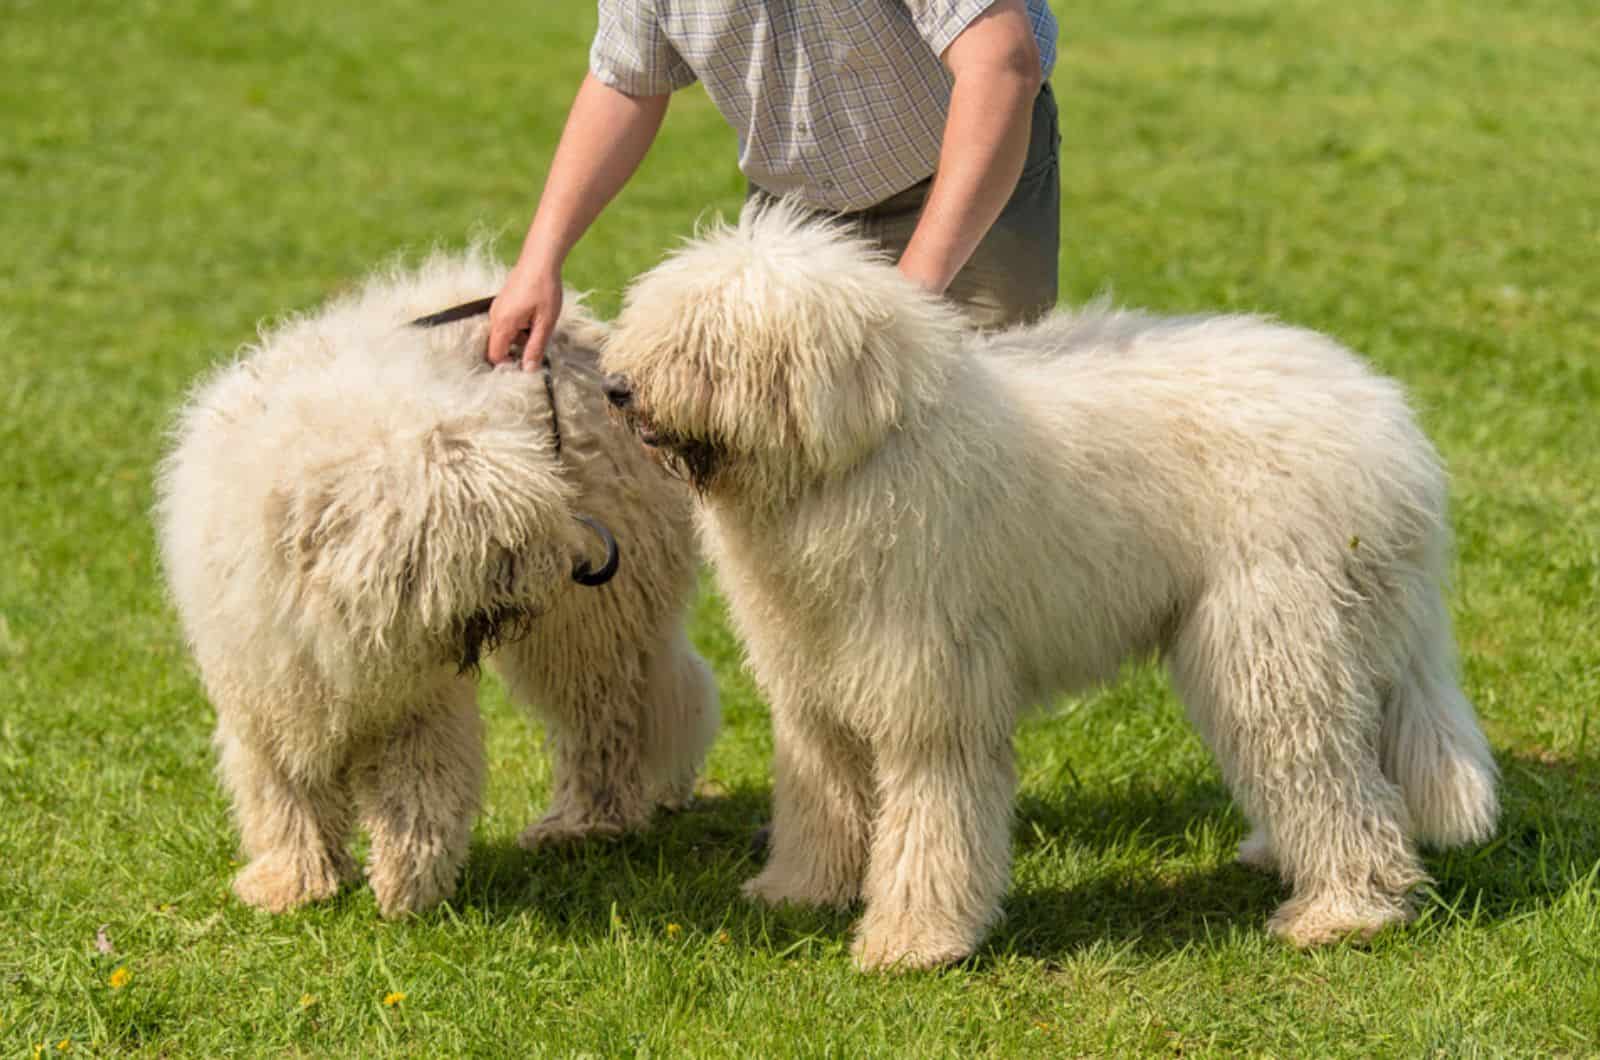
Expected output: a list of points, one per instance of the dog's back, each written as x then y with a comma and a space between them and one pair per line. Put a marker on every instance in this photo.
1237, 412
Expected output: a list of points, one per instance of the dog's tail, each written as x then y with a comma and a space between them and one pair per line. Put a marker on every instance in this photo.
1431, 744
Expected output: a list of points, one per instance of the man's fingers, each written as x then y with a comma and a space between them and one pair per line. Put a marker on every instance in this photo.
499, 342
507, 321
538, 336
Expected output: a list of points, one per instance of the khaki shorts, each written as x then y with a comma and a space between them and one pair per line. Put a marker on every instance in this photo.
1011, 278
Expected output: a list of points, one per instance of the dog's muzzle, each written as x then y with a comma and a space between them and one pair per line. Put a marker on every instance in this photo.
617, 390
584, 574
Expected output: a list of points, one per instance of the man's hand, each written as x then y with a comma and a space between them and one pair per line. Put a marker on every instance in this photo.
531, 302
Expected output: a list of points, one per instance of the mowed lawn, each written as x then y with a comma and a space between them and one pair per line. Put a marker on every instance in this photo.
1419, 180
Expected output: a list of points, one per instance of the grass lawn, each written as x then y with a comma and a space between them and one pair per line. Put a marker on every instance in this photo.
1418, 180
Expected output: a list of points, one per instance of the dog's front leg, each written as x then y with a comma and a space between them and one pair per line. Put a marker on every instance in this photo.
293, 825
419, 790
941, 848
821, 812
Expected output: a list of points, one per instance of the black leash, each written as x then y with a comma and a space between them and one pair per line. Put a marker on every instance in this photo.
475, 308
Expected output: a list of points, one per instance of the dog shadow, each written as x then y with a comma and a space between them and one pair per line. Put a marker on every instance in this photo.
1158, 902
1139, 883
684, 870
1145, 889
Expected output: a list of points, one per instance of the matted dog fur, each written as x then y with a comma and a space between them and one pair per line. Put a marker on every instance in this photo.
922, 532
353, 511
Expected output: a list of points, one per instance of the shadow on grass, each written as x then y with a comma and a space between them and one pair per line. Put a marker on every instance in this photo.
1548, 843
1143, 888
1145, 893
685, 869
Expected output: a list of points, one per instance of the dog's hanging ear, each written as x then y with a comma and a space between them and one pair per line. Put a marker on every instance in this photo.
847, 380
357, 536
309, 524
350, 550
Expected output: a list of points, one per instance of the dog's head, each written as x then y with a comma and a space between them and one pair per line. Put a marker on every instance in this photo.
781, 351
420, 509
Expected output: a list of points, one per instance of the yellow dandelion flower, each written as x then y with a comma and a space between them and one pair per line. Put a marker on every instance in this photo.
673, 931
120, 978
38, 1051
307, 1000
724, 937
63, 1045
393, 998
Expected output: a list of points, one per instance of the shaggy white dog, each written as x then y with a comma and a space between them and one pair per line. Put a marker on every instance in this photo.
350, 514
921, 532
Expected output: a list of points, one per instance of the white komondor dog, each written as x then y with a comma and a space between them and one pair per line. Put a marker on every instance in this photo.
922, 532
353, 512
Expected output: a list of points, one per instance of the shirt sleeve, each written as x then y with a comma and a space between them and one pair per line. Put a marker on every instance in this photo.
631, 53
940, 22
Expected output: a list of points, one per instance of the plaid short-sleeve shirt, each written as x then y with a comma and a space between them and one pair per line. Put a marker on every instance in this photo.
841, 102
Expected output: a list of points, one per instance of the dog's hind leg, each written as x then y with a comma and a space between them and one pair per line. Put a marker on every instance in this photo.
1431, 743
822, 807
1196, 689
592, 689
941, 849
292, 827
419, 787
595, 737
1292, 713
680, 722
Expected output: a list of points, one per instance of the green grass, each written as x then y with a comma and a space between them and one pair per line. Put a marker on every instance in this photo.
1419, 180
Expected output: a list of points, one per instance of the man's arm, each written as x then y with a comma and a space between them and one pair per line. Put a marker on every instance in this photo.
996, 65
606, 137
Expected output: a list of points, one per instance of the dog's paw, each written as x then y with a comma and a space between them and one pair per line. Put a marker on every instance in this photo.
779, 888
891, 946
1319, 920
410, 889
768, 889
278, 883
557, 829
409, 897
1255, 851
672, 799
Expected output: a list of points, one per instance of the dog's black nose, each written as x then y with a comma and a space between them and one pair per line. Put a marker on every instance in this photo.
617, 390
